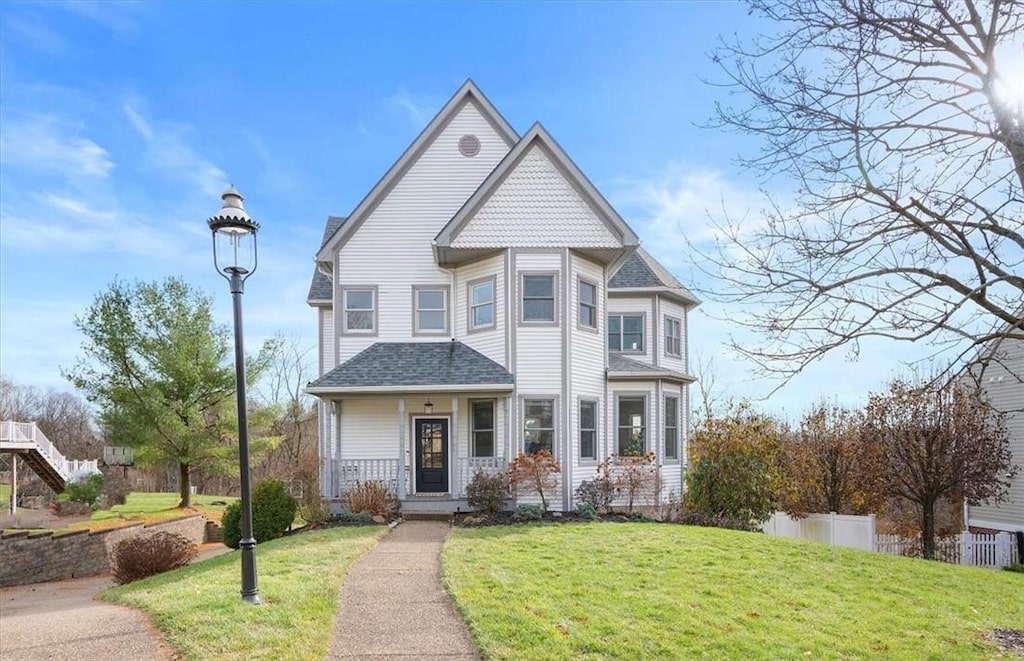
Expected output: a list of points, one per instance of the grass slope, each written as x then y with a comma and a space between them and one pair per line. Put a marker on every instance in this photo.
200, 611
144, 507
661, 591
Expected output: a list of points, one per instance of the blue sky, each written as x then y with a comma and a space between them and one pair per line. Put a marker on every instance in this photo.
121, 124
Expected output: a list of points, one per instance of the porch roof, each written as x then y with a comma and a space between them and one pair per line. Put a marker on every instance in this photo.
414, 367
620, 367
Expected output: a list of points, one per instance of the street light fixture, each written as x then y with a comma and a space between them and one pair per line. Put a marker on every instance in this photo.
234, 256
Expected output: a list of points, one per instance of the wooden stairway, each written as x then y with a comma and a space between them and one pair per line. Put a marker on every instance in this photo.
25, 440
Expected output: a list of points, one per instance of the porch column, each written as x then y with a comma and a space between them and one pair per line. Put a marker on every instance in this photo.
401, 449
14, 483
453, 452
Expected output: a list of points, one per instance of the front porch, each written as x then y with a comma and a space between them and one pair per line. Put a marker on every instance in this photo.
338, 475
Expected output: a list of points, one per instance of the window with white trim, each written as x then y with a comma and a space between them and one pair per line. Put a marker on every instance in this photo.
539, 425
671, 427
673, 337
588, 429
431, 310
632, 425
538, 298
481, 304
360, 306
588, 304
626, 333
482, 428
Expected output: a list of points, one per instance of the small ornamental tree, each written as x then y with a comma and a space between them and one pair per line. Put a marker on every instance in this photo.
534, 473
940, 442
636, 476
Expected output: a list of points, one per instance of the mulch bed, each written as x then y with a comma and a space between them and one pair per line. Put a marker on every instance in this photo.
1011, 640
479, 520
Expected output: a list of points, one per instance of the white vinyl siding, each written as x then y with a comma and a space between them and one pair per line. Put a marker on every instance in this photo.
326, 315
587, 355
538, 347
1003, 387
489, 341
369, 428
535, 207
392, 248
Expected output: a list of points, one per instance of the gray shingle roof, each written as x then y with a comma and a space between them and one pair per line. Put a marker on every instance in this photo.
618, 364
642, 271
320, 288
400, 364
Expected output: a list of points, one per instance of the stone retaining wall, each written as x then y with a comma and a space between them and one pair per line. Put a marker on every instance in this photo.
37, 558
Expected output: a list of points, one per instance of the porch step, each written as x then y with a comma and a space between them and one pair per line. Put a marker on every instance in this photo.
426, 516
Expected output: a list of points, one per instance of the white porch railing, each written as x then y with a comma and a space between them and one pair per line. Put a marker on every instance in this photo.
466, 468
338, 475
26, 436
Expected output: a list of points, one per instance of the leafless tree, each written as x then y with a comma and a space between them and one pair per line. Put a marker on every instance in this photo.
895, 125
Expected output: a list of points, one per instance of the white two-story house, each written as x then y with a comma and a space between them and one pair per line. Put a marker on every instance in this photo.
485, 300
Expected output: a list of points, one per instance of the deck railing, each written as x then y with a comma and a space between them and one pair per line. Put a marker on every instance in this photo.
26, 435
338, 475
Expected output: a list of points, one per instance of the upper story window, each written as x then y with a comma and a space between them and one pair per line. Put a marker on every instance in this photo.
632, 427
430, 310
626, 333
673, 337
482, 428
588, 429
588, 304
539, 425
360, 310
481, 304
671, 427
539, 298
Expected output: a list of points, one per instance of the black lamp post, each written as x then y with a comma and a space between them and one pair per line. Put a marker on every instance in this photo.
234, 256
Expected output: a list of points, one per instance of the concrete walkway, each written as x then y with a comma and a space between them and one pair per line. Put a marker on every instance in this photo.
393, 605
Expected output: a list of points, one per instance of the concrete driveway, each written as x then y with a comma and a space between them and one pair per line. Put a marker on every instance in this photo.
62, 621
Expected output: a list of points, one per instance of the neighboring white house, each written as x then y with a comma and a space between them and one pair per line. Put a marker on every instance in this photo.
1003, 382
485, 300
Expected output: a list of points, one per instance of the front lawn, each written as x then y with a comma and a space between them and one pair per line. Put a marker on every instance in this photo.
200, 611
632, 591
144, 507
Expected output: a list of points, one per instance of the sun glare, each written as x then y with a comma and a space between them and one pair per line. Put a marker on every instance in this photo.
1009, 84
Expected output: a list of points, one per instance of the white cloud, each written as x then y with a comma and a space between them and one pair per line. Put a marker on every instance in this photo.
44, 142
418, 111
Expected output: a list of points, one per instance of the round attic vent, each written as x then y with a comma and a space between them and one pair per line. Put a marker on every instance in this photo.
469, 145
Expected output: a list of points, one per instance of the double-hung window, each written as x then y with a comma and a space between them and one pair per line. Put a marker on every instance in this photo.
588, 304
673, 337
430, 310
671, 427
632, 427
538, 298
626, 333
588, 429
482, 428
539, 425
481, 304
360, 310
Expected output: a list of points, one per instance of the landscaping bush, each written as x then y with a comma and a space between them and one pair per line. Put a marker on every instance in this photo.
529, 513
146, 555
586, 511
372, 496
1019, 568
597, 493
273, 511
534, 473
486, 492
315, 511
345, 516
693, 518
85, 490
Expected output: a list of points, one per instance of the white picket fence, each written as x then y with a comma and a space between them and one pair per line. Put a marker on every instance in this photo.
966, 548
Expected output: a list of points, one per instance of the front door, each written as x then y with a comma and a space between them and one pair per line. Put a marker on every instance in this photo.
431, 455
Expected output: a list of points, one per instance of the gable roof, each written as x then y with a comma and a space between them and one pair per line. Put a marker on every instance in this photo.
536, 136
641, 271
468, 93
620, 367
321, 290
414, 366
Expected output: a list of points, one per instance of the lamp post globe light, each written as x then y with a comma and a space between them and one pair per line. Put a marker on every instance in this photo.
234, 256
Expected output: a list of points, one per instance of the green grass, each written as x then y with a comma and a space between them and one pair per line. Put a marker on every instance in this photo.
200, 611
5, 495
661, 591
152, 507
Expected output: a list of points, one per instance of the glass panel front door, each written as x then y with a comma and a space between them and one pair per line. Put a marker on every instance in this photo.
431, 455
